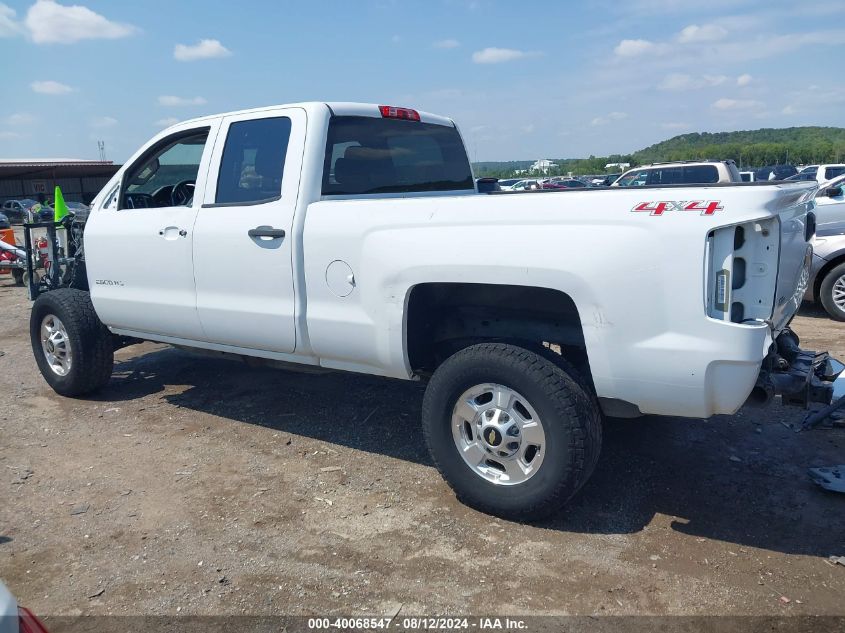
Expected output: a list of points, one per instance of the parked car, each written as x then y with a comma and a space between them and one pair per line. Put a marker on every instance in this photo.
567, 183
526, 184
610, 179
407, 273
17, 619
821, 173
4, 222
79, 209
508, 183
16, 210
775, 172
803, 177
487, 185
827, 274
747, 176
680, 173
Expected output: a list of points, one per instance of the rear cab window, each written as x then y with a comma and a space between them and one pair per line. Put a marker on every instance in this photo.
368, 155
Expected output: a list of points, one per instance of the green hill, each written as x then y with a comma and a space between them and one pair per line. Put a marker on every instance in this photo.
749, 148
753, 147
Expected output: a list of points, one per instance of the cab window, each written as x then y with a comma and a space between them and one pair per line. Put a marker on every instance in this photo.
253, 161
166, 175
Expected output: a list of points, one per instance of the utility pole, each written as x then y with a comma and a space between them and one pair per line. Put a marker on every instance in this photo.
101, 146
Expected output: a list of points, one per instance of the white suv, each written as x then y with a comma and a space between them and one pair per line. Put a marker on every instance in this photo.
680, 173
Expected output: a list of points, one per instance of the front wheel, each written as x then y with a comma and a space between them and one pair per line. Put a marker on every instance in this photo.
832, 292
72, 347
514, 434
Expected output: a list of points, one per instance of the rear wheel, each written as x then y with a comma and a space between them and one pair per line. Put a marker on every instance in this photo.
17, 275
832, 292
72, 347
514, 434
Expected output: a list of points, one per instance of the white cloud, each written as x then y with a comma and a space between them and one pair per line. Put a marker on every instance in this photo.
714, 80
495, 55
52, 23
633, 48
20, 118
166, 122
613, 116
676, 82
446, 44
50, 87
103, 122
744, 80
204, 49
788, 110
9, 27
171, 101
704, 33
736, 104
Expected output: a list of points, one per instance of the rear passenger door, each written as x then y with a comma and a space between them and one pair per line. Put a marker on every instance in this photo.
244, 233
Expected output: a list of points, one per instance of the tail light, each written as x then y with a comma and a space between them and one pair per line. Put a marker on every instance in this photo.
392, 112
28, 623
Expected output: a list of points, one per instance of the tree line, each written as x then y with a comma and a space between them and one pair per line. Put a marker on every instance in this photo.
748, 148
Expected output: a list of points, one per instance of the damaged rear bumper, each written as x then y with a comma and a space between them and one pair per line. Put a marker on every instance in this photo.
800, 377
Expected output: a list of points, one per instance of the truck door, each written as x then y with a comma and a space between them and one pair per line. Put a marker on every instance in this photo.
138, 243
244, 231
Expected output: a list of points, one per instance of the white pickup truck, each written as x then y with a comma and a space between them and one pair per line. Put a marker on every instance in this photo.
350, 237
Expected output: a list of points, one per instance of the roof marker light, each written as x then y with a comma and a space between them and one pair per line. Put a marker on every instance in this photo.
392, 112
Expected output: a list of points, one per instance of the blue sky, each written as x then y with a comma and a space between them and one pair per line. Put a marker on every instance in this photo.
524, 81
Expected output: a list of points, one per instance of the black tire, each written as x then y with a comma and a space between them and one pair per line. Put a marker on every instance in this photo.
826, 292
90, 342
570, 418
17, 275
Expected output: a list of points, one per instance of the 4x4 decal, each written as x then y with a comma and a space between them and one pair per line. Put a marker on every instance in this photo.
706, 207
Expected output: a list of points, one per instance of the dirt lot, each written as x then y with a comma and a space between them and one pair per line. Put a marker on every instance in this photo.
198, 486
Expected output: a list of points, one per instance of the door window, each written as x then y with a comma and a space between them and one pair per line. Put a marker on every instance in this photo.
253, 161
166, 175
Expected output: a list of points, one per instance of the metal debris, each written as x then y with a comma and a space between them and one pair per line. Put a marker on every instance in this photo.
829, 477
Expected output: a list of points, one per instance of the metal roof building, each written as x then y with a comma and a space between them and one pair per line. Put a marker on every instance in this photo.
36, 178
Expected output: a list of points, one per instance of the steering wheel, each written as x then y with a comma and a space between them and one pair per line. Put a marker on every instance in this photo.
182, 194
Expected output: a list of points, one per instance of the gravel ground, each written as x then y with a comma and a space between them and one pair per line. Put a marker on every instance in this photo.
197, 486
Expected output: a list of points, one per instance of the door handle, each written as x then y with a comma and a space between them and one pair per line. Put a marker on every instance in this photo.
171, 232
266, 231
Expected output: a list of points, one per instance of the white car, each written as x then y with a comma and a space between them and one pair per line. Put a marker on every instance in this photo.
821, 173
507, 184
680, 173
349, 237
525, 184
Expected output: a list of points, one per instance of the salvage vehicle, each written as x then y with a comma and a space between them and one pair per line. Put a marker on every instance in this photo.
377, 256
826, 283
687, 172
17, 619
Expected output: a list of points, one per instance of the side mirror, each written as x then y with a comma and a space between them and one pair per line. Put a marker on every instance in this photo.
833, 192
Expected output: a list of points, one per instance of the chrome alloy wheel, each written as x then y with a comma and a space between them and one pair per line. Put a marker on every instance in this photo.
498, 433
56, 345
838, 293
